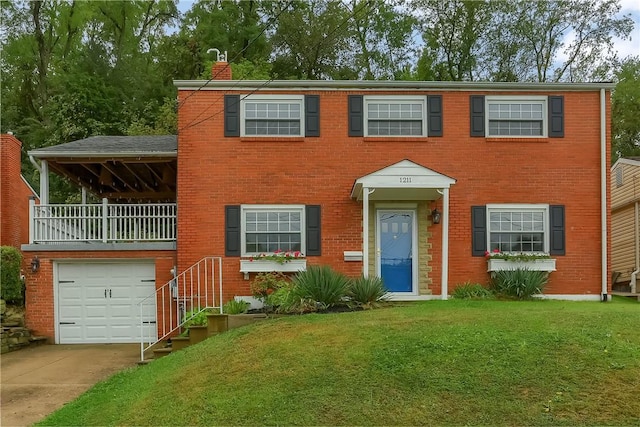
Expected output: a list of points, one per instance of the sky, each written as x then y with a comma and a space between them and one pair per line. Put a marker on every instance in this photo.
630, 47
624, 47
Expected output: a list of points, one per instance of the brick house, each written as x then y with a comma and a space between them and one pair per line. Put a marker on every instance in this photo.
15, 193
412, 181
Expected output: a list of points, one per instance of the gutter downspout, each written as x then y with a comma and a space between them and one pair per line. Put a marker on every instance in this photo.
603, 192
634, 275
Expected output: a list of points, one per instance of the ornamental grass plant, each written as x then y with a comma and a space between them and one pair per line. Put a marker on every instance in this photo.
470, 290
367, 292
519, 283
320, 285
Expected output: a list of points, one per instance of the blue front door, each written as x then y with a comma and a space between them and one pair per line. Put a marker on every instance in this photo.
395, 249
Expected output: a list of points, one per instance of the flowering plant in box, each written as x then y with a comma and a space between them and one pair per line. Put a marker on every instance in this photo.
278, 256
515, 256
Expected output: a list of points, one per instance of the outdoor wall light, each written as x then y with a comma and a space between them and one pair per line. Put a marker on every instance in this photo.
435, 216
35, 264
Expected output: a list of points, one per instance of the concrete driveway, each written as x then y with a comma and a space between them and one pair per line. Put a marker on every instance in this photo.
36, 381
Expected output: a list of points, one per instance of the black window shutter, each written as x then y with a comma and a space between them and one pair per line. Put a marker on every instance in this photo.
356, 115
232, 115
232, 230
478, 230
477, 115
556, 220
556, 117
434, 115
312, 115
313, 230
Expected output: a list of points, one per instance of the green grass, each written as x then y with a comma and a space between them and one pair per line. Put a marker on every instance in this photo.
434, 363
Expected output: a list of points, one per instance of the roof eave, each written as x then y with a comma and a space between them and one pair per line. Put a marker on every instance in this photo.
385, 85
83, 154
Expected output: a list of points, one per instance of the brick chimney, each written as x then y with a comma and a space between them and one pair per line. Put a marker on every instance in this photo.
14, 194
221, 71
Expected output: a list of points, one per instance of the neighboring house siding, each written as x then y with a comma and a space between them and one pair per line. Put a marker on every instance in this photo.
624, 234
216, 171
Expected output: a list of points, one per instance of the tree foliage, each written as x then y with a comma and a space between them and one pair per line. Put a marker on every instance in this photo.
626, 110
10, 281
73, 68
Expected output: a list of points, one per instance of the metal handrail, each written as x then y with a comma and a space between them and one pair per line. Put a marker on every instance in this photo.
196, 289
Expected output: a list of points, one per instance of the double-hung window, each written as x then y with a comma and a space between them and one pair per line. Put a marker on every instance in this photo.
395, 116
272, 228
518, 228
272, 115
516, 116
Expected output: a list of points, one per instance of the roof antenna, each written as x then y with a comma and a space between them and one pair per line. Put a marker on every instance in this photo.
222, 57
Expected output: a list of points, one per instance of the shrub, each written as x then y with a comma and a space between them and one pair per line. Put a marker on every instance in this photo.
367, 291
470, 290
320, 284
519, 283
195, 318
236, 307
10, 281
264, 284
266, 287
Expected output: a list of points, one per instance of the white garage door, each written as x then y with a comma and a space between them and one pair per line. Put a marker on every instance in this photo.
97, 302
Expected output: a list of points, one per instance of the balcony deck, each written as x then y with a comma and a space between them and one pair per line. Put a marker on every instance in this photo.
102, 225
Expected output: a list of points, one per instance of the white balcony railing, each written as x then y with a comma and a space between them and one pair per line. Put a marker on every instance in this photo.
106, 223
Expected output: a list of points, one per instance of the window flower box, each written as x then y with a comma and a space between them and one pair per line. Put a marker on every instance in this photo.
501, 261
534, 264
267, 266
280, 261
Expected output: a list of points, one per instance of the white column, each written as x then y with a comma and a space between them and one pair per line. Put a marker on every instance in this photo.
104, 220
365, 231
84, 195
445, 243
32, 229
44, 183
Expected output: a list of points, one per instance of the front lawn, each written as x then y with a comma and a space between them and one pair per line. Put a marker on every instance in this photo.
432, 363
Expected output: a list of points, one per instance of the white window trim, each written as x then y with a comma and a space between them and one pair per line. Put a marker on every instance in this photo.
270, 208
533, 99
271, 98
521, 208
385, 99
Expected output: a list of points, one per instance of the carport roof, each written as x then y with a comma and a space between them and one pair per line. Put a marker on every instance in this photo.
122, 168
112, 146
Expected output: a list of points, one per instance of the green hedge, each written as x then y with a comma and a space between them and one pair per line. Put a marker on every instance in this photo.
10, 283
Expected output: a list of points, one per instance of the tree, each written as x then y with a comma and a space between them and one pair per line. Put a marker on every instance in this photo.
237, 27
382, 39
543, 41
311, 40
452, 31
625, 110
72, 69
561, 40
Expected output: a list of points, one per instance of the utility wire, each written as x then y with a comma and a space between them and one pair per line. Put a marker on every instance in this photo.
267, 82
213, 77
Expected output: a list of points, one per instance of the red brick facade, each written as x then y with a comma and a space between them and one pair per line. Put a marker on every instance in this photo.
40, 304
215, 171
14, 194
